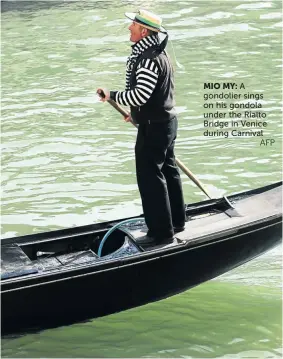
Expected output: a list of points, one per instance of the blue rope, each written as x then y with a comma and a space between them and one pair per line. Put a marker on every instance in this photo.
111, 230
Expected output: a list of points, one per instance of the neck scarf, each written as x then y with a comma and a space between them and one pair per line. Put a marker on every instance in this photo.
137, 49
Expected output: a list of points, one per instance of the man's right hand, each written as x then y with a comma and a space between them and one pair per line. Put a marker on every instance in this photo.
104, 94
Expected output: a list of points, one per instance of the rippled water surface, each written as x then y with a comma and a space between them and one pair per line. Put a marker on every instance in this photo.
68, 159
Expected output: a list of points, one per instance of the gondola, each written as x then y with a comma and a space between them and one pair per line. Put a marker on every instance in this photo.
75, 274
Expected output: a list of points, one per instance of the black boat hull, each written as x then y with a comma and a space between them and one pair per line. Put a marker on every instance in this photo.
102, 293
90, 291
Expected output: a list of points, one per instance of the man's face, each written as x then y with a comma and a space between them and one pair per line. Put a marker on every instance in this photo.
136, 32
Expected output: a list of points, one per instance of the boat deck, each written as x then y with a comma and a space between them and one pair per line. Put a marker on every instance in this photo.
250, 210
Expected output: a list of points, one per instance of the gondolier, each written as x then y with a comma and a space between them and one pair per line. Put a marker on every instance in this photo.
150, 94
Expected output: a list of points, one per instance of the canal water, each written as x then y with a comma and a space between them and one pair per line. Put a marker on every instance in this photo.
68, 160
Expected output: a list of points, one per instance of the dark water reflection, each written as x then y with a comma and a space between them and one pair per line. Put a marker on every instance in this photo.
215, 320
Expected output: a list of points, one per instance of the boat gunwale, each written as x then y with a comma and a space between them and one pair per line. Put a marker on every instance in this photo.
94, 228
142, 257
132, 264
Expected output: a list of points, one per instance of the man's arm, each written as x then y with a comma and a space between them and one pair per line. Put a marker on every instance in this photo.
147, 76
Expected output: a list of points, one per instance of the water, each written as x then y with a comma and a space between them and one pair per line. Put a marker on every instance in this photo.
67, 159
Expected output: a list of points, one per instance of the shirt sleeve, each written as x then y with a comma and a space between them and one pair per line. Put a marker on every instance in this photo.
146, 75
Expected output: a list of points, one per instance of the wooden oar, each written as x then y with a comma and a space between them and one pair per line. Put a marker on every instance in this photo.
180, 164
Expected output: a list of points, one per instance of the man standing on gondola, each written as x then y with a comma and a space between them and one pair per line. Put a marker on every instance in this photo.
150, 94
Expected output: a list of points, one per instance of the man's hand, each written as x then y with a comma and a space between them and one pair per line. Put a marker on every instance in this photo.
104, 94
128, 118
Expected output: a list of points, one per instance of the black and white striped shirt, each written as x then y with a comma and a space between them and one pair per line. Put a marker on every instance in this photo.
147, 74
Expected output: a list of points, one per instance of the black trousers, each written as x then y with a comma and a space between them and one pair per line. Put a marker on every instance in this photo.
159, 179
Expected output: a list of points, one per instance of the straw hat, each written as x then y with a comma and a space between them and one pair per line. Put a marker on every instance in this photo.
147, 19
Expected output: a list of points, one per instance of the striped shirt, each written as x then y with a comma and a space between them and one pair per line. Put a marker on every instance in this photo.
147, 74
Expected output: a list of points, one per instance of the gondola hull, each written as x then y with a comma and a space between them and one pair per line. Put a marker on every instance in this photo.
56, 297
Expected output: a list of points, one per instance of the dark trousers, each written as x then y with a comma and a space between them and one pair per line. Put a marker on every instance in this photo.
158, 178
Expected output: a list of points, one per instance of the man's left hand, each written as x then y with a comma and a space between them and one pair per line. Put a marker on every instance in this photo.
128, 118
101, 91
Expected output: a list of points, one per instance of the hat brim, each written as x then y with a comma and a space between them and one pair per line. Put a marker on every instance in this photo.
132, 16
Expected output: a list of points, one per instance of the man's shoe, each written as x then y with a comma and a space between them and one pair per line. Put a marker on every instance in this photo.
151, 241
164, 241
145, 240
178, 229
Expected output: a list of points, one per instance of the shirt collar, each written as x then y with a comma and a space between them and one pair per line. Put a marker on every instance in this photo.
145, 43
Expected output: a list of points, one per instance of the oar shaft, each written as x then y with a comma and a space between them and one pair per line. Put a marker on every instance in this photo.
180, 164
122, 111
118, 108
191, 176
